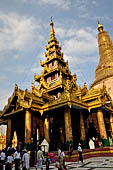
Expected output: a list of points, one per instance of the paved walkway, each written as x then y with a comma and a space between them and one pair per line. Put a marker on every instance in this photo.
98, 163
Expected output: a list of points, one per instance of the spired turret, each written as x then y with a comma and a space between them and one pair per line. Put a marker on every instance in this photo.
104, 70
55, 69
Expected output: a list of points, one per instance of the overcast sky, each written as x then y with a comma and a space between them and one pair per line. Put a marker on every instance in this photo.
25, 31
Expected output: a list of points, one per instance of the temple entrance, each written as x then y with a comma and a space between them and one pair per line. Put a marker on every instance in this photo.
57, 131
18, 126
92, 129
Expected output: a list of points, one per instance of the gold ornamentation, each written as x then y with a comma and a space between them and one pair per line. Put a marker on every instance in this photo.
104, 69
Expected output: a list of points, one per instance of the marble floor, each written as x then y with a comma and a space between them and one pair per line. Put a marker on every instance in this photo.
99, 163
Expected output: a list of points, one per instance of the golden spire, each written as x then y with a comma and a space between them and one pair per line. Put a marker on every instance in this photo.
52, 33
100, 27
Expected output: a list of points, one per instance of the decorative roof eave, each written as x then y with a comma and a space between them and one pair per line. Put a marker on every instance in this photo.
53, 39
99, 105
40, 92
101, 99
10, 99
107, 108
37, 77
55, 86
13, 112
48, 59
57, 69
54, 43
95, 103
24, 99
93, 94
60, 103
36, 99
90, 97
2, 121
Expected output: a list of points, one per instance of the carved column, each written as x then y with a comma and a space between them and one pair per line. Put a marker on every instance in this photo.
101, 124
68, 125
111, 123
28, 126
46, 129
9, 132
82, 127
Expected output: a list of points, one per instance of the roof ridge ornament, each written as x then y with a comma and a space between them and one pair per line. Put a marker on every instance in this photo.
100, 27
52, 33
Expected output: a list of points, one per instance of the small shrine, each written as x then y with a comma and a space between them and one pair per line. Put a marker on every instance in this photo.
45, 146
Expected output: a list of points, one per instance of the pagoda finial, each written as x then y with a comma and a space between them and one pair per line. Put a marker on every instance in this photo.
52, 33
100, 27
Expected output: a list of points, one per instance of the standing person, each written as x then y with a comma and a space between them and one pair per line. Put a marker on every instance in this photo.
47, 162
25, 160
80, 152
91, 144
59, 152
70, 149
3, 157
17, 159
40, 158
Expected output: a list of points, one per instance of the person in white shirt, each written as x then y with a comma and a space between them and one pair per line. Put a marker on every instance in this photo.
40, 158
25, 160
9, 162
17, 160
80, 152
3, 157
59, 152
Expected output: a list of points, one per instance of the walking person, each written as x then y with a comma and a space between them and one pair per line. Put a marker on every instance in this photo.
9, 162
40, 158
60, 163
25, 160
79, 149
17, 159
63, 157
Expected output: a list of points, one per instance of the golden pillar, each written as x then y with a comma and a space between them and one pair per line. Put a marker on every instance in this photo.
68, 125
8, 132
111, 123
46, 129
28, 126
82, 127
101, 124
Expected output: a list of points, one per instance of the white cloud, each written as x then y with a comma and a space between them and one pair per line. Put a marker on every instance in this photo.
78, 41
4, 95
75, 60
17, 32
79, 45
64, 4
